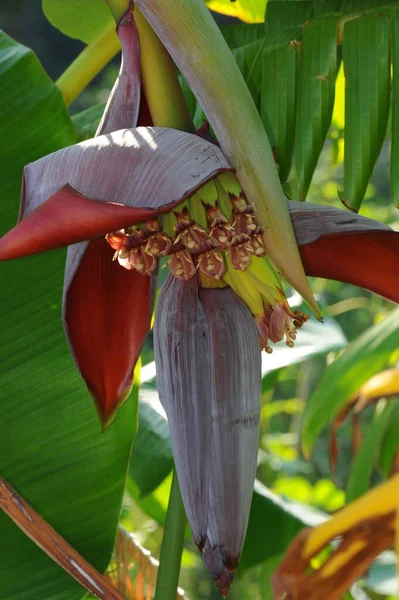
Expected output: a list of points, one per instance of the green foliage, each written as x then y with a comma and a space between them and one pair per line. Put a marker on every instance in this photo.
395, 110
367, 456
315, 97
51, 447
389, 444
94, 17
86, 122
152, 457
273, 524
278, 93
303, 91
362, 358
367, 91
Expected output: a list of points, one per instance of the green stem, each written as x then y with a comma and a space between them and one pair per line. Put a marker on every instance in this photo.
172, 545
118, 8
88, 64
161, 85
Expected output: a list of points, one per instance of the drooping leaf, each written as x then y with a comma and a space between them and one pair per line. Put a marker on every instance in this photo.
367, 89
51, 447
82, 20
365, 528
367, 456
316, 96
364, 357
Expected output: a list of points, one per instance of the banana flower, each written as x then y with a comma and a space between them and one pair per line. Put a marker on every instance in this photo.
132, 196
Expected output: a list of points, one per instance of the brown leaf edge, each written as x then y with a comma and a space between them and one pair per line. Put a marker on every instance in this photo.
358, 547
44, 536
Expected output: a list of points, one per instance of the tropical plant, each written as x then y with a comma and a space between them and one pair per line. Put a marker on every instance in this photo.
154, 182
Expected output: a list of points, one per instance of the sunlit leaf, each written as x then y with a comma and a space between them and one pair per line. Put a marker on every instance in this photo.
365, 528
82, 20
250, 11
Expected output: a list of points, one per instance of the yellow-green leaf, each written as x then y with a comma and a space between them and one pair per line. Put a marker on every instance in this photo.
250, 11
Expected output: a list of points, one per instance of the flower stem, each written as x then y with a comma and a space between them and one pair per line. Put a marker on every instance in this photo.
198, 48
161, 85
172, 545
88, 64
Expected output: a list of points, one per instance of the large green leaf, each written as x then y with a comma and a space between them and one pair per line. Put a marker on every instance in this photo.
395, 109
316, 96
51, 447
82, 20
367, 90
281, 16
364, 357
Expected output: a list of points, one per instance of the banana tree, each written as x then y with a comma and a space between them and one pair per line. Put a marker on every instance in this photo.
209, 204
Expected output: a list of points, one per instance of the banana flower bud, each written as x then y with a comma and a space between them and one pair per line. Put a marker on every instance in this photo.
207, 354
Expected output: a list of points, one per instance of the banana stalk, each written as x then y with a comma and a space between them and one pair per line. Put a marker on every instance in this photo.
198, 48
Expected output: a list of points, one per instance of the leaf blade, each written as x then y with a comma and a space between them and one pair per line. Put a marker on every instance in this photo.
367, 90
